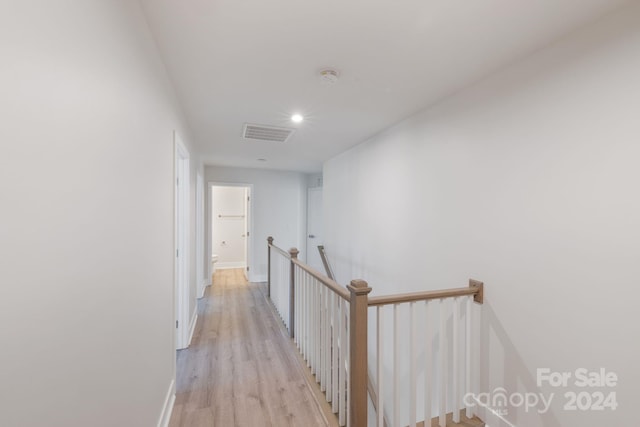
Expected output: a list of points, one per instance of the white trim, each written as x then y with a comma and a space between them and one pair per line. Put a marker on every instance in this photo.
203, 286
167, 408
200, 234
192, 327
257, 279
227, 265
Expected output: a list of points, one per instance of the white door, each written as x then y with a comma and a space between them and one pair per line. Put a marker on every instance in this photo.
245, 235
314, 228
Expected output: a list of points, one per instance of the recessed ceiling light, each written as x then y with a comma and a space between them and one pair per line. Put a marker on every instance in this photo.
297, 118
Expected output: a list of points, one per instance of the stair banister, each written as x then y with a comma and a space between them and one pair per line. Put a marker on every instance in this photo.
329, 324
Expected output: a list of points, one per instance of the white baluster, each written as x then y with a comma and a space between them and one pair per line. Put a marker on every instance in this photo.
327, 346
323, 332
348, 363
469, 411
443, 364
314, 327
412, 364
279, 291
428, 355
299, 309
334, 353
318, 305
327, 343
342, 362
275, 293
380, 367
275, 280
281, 286
396, 367
318, 332
303, 315
296, 289
306, 318
309, 344
456, 360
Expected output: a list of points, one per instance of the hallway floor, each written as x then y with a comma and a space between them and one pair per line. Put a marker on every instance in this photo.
241, 368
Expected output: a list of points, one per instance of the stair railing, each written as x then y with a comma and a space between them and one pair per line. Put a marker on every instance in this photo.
325, 262
329, 325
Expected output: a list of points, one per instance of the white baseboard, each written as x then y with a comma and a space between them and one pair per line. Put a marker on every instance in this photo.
203, 285
192, 327
167, 408
255, 278
226, 265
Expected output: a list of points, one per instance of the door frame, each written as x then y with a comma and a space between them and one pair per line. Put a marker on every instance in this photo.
249, 240
181, 242
201, 278
313, 248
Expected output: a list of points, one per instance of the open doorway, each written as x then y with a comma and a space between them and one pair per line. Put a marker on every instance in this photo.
230, 226
181, 239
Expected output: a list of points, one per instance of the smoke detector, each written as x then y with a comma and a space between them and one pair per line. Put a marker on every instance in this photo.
329, 77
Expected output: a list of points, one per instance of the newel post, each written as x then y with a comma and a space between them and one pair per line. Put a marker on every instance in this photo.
292, 281
269, 243
358, 351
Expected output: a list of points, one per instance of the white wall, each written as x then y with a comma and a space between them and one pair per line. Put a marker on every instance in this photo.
279, 210
314, 180
228, 204
86, 229
527, 181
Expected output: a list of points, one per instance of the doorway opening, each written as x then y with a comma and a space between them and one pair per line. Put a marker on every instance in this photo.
181, 239
230, 226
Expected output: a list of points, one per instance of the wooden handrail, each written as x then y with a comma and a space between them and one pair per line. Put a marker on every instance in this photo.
328, 282
331, 284
282, 251
475, 288
325, 262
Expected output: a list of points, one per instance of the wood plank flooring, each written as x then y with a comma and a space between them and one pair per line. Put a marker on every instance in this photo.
241, 368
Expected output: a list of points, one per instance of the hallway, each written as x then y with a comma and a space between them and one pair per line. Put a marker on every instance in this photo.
241, 368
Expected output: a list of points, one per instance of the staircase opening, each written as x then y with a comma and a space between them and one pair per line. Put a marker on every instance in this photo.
422, 365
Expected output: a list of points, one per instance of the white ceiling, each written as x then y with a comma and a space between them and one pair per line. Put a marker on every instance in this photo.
257, 61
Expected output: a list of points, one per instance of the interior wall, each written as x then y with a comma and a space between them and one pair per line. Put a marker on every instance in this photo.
228, 204
527, 181
314, 180
279, 210
86, 236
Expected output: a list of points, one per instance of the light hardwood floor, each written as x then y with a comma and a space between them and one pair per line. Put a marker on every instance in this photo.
241, 368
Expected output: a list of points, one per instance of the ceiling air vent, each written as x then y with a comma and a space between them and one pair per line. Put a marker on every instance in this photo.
266, 133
